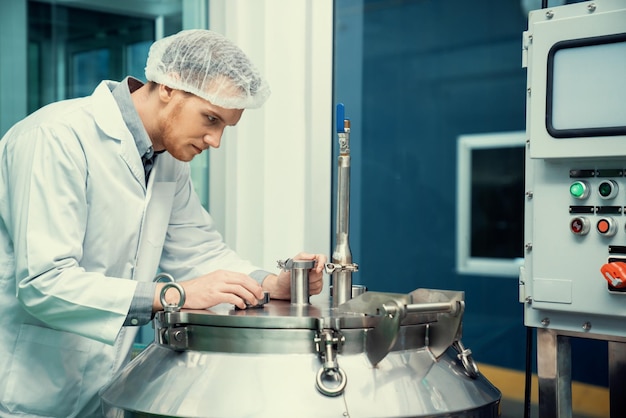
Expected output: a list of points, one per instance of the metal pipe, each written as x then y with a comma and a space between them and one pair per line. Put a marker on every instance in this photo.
342, 256
433, 307
300, 281
452, 307
299, 270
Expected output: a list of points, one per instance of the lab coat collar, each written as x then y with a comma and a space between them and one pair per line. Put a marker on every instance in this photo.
109, 119
106, 112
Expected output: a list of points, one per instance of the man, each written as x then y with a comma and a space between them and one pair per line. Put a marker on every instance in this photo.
95, 198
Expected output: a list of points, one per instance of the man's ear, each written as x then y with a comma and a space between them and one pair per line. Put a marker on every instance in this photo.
165, 93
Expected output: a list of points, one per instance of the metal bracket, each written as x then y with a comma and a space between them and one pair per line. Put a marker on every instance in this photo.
381, 339
330, 268
176, 338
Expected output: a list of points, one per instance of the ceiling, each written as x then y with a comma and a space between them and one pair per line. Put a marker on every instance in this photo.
139, 8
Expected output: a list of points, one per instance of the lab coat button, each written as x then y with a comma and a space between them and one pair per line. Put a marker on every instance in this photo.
134, 321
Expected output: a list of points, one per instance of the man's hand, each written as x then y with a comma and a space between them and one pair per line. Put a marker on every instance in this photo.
280, 286
211, 289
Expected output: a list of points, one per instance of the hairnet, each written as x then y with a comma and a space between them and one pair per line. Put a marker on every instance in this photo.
208, 65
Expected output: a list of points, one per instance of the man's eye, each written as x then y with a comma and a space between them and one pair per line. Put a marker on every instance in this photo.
211, 119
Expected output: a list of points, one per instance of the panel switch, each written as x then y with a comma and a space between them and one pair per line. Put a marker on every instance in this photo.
579, 189
615, 274
579, 225
607, 226
608, 189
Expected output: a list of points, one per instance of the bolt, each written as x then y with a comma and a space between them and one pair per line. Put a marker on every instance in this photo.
529, 194
178, 336
591, 7
549, 14
545, 322
587, 326
528, 246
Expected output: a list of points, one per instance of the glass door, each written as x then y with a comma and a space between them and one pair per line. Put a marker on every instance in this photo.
72, 46
75, 44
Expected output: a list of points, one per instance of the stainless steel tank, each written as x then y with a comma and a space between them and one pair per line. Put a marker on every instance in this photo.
377, 355
361, 354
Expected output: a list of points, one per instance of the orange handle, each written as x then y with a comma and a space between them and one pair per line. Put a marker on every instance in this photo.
615, 273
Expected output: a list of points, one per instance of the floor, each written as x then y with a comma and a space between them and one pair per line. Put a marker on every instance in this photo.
588, 401
515, 409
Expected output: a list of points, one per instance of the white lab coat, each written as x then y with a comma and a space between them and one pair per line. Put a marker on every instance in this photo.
78, 227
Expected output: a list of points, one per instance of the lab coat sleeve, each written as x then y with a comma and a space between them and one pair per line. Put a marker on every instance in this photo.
193, 246
49, 206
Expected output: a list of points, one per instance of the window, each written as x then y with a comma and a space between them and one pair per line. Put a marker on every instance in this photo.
490, 204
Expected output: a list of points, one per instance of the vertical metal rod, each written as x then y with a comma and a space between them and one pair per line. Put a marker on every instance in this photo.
617, 378
342, 278
528, 372
554, 369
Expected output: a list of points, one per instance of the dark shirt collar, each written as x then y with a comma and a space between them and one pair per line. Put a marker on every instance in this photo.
121, 94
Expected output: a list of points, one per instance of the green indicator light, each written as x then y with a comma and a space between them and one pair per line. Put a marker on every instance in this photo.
577, 189
605, 189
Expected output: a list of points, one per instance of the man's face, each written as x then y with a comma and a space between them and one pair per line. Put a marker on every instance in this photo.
189, 124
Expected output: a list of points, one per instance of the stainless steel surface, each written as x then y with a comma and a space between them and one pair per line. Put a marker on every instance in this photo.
161, 382
204, 363
554, 371
358, 290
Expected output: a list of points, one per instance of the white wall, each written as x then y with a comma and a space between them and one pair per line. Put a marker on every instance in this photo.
270, 182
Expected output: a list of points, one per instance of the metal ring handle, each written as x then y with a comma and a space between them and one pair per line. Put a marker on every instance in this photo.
181, 301
465, 355
470, 366
168, 278
319, 382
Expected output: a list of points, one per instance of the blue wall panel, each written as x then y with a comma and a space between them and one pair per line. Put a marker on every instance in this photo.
433, 70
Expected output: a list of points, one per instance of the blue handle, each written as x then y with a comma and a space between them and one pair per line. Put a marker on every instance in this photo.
341, 113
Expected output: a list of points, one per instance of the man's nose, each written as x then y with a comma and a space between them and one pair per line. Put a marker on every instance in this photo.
213, 139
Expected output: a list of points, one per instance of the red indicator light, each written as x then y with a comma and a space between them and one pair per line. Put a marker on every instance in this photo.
579, 226
607, 226
603, 226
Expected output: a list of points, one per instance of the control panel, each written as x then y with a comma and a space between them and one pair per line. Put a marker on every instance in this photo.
574, 272
575, 226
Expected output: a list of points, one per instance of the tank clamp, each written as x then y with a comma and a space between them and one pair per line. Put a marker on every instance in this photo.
331, 380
